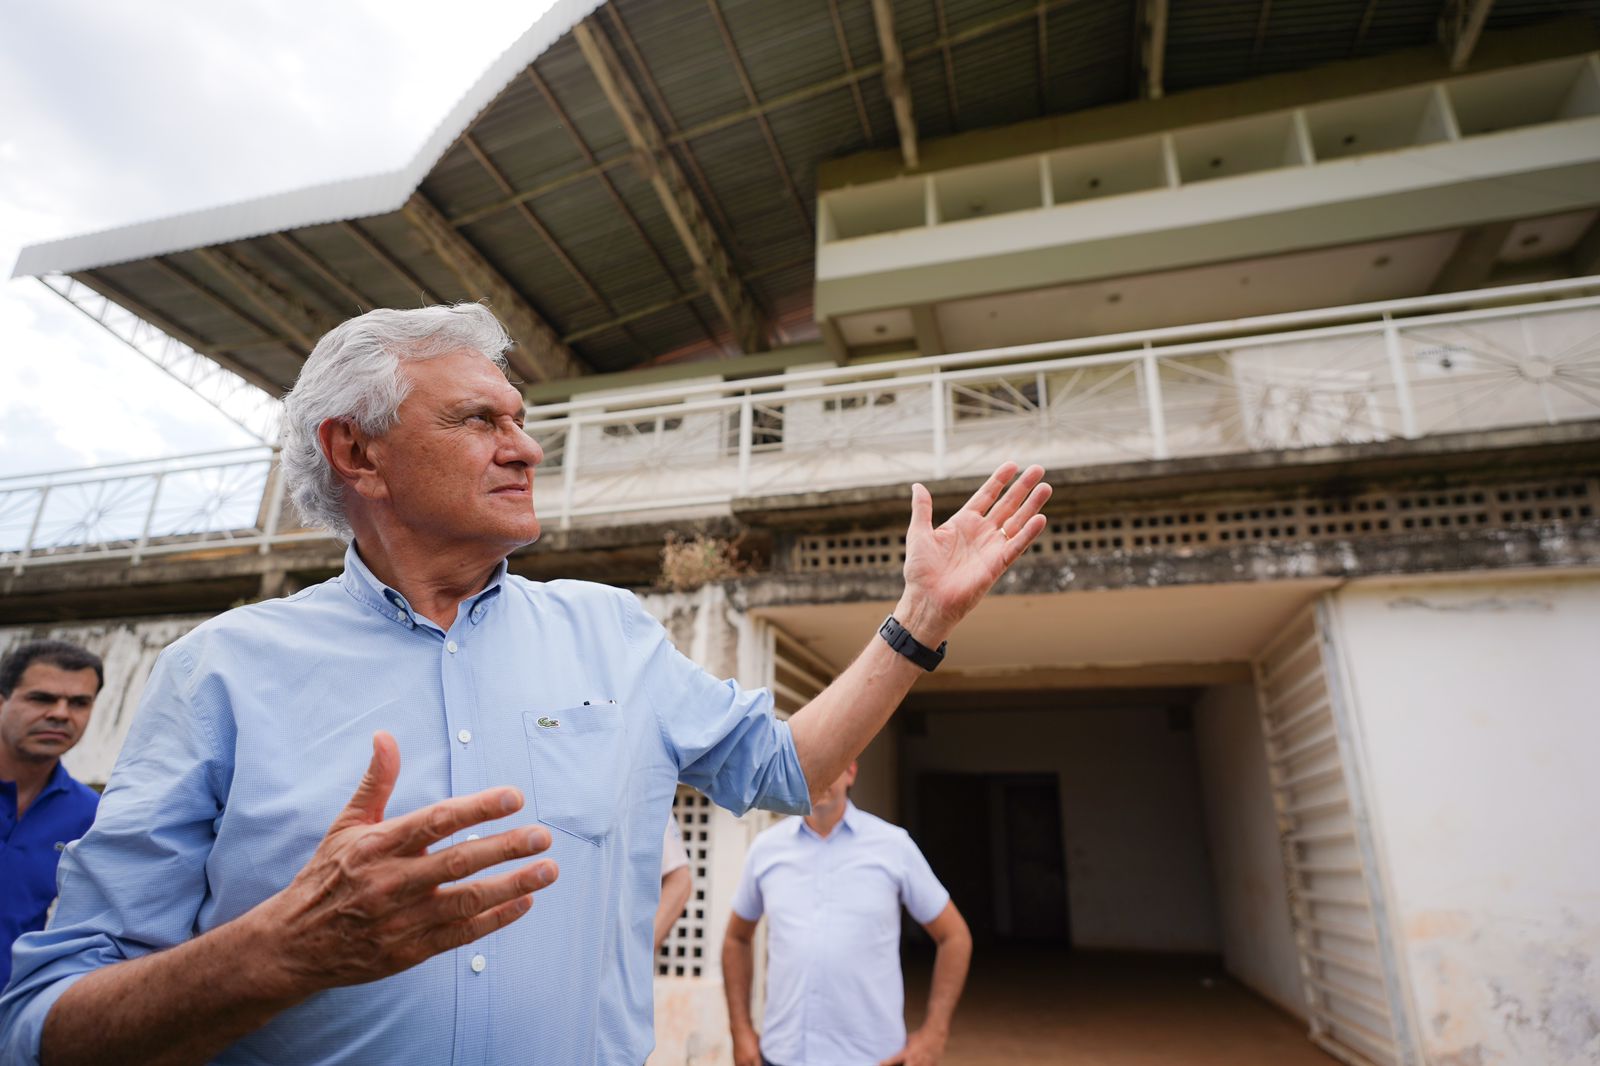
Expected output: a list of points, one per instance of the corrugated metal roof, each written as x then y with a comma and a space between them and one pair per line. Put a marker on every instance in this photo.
338, 200
536, 149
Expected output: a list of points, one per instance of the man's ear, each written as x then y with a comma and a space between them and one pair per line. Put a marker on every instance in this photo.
349, 451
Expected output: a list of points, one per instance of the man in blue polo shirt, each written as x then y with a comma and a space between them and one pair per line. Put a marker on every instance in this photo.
47, 692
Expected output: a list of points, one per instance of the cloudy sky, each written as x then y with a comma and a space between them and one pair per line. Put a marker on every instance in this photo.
113, 113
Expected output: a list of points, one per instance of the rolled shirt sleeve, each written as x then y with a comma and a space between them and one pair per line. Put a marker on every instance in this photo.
136, 881
726, 741
747, 901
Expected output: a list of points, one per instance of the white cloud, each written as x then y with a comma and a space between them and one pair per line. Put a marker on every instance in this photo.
122, 112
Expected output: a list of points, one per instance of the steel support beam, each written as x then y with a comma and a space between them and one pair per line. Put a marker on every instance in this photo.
538, 354
1366, 24
1460, 25
493, 170
1263, 17
713, 266
554, 104
951, 100
1151, 37
376, 250
849, 69
359, 301
778, 161
894, 80
682, 298
300, 323
214, 379
222, 303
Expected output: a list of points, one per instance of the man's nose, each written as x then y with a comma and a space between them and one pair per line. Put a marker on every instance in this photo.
525, 449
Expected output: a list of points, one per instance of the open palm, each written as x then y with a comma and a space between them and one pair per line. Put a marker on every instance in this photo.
951, 566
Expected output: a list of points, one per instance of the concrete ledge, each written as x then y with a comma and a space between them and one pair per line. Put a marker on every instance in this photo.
1574, 546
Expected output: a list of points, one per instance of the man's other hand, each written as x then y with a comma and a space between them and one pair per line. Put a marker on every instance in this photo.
746, 1047
373, 901
923, 1048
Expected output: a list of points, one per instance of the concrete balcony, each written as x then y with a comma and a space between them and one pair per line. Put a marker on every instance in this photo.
1044, 239
1527, 356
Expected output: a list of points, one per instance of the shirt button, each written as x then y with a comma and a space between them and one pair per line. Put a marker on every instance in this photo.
478, 963
472, 836
465, 736
450, 646
399, 616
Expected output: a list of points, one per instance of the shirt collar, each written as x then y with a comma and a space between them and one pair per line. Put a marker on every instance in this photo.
851, 820
359, 580
59, 781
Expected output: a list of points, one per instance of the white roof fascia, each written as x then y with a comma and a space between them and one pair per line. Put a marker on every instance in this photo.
374, 194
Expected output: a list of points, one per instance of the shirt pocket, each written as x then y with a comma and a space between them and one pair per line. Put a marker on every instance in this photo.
578, 761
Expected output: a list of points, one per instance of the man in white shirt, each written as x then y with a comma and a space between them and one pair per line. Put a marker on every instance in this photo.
831, 884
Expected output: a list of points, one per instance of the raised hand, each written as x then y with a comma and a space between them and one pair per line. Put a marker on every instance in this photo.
951, 566
372, 900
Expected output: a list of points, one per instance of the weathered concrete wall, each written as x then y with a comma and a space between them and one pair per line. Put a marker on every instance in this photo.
1246, 853
1132, 829
1476, 707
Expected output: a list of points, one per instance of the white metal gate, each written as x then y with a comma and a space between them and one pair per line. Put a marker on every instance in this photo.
1335, 900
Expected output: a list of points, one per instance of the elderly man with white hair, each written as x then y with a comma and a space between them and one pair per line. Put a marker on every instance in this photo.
235, 903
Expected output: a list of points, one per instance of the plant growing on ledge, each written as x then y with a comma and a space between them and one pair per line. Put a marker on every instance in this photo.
689, 562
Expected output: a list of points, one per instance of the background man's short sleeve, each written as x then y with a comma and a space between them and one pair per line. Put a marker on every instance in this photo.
920, 890
673, 854
747, 901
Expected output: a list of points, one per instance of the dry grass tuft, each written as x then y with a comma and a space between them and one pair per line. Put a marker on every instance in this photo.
689, 562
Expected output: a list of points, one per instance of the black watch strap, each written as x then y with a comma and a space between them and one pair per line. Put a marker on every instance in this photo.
901, 640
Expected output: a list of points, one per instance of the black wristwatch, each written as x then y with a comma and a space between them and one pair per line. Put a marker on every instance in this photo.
903, 642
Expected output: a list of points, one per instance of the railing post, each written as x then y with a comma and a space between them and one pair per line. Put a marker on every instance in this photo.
269, 528
1402, 381
1152, 399
939, 458
746, 441
149, 517
569, 470
33, 529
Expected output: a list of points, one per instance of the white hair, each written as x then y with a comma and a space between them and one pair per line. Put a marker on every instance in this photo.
354, 374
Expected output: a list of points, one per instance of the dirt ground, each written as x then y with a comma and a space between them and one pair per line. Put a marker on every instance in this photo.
1029, 1007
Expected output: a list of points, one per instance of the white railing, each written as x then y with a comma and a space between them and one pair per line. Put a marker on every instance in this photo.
1395, 370
136, 509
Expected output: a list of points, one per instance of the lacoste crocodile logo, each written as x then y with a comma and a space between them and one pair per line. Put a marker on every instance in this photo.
549, 723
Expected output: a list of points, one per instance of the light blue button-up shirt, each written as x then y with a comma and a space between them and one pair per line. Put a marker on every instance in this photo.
834, 990
255, 728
